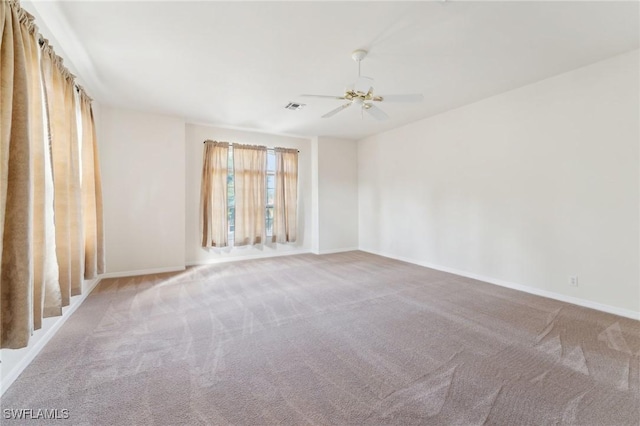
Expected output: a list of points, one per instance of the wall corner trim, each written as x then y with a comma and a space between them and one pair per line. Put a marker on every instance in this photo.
246, 257
340, 250
142, 272
527, 289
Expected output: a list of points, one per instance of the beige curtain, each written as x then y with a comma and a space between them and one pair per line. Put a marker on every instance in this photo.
41, 220
249, 171
213, 195
285, 222
46, 291
16, 195
52, 296
91, 193
65, 154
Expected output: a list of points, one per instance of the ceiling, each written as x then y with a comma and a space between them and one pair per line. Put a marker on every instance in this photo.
237, 64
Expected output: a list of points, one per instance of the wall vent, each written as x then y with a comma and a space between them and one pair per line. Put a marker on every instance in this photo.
294, 106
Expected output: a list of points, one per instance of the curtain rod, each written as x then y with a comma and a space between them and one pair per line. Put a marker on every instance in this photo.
28, 19
42, 41
267, 148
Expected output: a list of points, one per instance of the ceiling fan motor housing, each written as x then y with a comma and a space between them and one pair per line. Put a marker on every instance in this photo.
359, 55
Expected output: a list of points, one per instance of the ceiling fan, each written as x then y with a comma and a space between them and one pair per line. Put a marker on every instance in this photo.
362, 94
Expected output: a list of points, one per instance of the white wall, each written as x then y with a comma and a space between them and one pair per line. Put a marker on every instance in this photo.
337, 194
195, 136
525, 188
143, 179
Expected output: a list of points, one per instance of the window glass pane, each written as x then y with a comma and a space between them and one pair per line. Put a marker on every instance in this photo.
231, 198
271, 181
231, 194
269, 221
230, 216
271, 194
271, 161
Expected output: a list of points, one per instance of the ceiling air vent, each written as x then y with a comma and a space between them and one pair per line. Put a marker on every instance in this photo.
294, 106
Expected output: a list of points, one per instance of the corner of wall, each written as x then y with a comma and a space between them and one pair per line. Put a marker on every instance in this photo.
315, 217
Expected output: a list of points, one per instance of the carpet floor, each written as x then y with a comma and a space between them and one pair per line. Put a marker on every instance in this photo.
339, 339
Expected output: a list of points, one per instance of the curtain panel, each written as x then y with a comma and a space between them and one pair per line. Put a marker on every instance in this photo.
16, 194
65, 154
213, 195
249, 171
93, 226
46, 293
285, 222
42, 226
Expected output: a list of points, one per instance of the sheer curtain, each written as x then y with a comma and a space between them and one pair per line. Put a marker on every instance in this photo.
285, 223
65, 153
213, 195
93, 226
249, 170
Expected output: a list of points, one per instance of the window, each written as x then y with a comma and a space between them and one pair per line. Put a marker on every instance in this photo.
271, 191
270, 195
231, 197
248, 195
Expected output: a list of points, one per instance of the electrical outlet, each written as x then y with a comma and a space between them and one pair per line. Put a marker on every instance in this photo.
573, 281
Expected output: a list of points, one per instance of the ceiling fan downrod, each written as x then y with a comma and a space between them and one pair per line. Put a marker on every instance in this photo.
358, 55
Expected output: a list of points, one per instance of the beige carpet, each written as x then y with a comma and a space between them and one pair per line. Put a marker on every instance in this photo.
340, 339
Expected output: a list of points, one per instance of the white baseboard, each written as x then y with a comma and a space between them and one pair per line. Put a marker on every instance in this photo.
142, 272
226, 259
340, 250
48, 332
527, 289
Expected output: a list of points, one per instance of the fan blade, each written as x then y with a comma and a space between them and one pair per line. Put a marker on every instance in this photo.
402, 98
363, 85
376, 112
324, 96
337, 110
